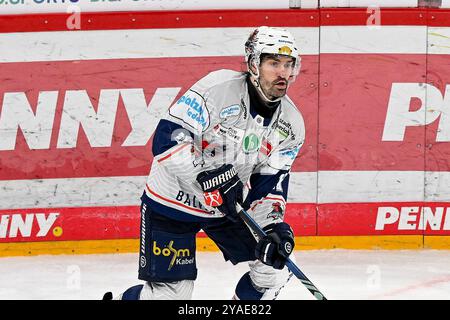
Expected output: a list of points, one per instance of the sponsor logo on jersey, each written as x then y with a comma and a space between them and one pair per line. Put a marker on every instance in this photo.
283, 128
192, 201
189, 200
251, 143
178, 256
231, 115
230, 111
290, 153
244, 109
191, 110
195, 110
234, 134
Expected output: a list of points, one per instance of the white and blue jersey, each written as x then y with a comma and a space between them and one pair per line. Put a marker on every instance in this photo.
214, 123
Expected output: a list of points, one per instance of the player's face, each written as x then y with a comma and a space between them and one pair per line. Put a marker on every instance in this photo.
275, 73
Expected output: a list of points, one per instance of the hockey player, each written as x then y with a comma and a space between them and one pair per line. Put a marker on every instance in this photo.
231, 138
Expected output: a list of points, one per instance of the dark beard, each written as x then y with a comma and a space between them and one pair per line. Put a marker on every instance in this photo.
262, 107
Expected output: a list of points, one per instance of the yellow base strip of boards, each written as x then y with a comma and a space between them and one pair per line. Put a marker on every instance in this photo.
360, 242
437, 242
68, 247
406, 242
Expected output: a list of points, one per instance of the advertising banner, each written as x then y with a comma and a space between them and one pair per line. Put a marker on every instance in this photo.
78, 110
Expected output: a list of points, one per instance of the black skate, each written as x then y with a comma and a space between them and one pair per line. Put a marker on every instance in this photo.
108, 296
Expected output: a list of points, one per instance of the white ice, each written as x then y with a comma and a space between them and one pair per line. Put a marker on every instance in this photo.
339, 274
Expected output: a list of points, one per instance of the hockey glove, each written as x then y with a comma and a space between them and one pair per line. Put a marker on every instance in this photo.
275, 248
222, 189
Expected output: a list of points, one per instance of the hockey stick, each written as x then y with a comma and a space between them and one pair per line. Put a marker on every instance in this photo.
292, 267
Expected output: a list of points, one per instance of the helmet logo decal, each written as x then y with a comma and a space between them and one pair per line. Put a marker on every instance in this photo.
285, 50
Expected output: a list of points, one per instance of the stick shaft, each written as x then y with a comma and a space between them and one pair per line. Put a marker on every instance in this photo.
291, 265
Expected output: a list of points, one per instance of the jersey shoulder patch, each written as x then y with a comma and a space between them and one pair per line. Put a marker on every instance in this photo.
194, 108
191, 110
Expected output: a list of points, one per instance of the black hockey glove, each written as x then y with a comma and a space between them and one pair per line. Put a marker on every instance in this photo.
222, 189
275, 248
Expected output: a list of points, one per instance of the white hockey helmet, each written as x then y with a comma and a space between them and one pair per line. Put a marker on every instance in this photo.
272, 41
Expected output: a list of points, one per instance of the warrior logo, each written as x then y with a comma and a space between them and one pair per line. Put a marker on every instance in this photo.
220, 179
288, 247
213, 199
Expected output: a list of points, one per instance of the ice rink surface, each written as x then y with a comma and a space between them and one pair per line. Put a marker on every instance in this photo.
339, 274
